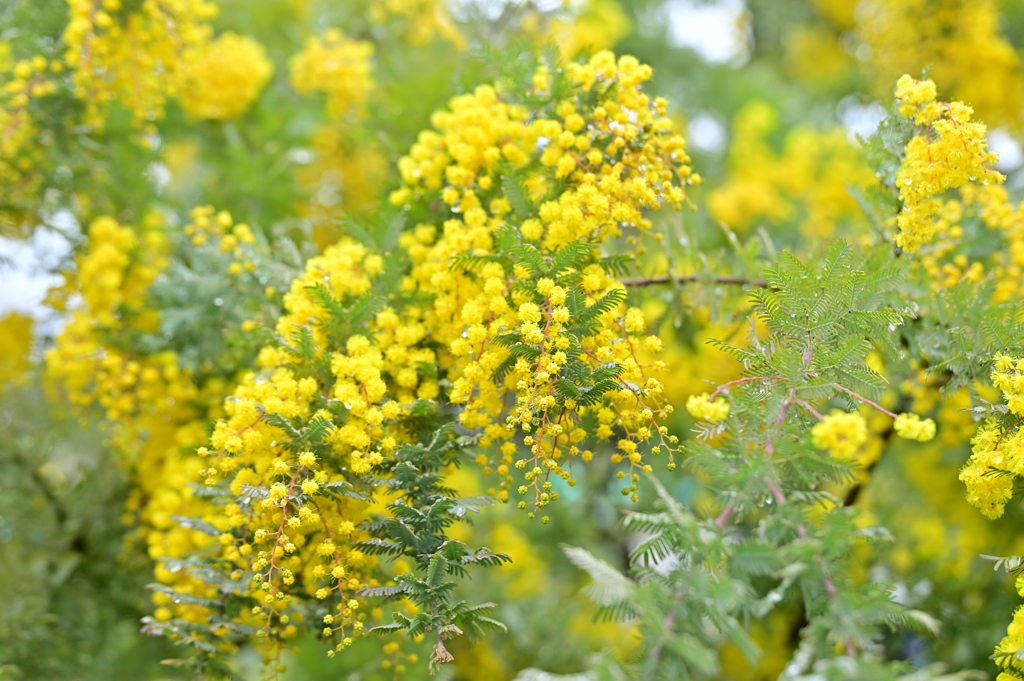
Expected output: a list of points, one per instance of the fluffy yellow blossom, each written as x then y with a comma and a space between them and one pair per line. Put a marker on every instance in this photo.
912, 427
701, 407
1008, 376
1011, 643
842, 433
153, 405
336, 65
997, 449
913, 93
223, 77
462, 159
446, 329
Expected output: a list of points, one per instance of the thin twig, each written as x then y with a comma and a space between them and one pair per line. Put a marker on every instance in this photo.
692, 278
865, 400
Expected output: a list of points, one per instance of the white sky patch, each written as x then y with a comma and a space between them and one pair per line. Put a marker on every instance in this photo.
714, 30
859, 118
27, 266
492, 9
1008, 149
705, 133
159, 176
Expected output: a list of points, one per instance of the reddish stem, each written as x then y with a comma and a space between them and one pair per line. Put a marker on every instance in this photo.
809, 408
865, 400
723, 517
740, 380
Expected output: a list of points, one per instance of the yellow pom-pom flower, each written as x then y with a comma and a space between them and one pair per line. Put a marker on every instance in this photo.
223, 77
912, 427
701, 407
1011, 643
338, 66
842, 433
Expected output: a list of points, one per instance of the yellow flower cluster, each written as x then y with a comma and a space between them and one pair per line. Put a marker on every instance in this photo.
132, 54
87, 362
842, 433
950, 152
30, 78
998, 445
991, 203
221, 78
220, 229
604, 153
1008, 376
991, 448
806, 182
615, 155
114, 274
298, 533
1011, 643
958, 40
947, 263
19, 140
336, 65
911, 427
701, 407
155, 411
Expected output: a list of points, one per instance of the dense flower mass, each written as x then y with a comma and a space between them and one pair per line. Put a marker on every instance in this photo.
156, 408
950, 152
336, 65
842, 433
290, 402
20, 144
1011, 644
132, 52
507, 300
703, 407
913, 427
223, 77
998, 447
956, 40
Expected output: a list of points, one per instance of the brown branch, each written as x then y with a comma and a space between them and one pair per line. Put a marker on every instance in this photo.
692, 278
1012, 426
